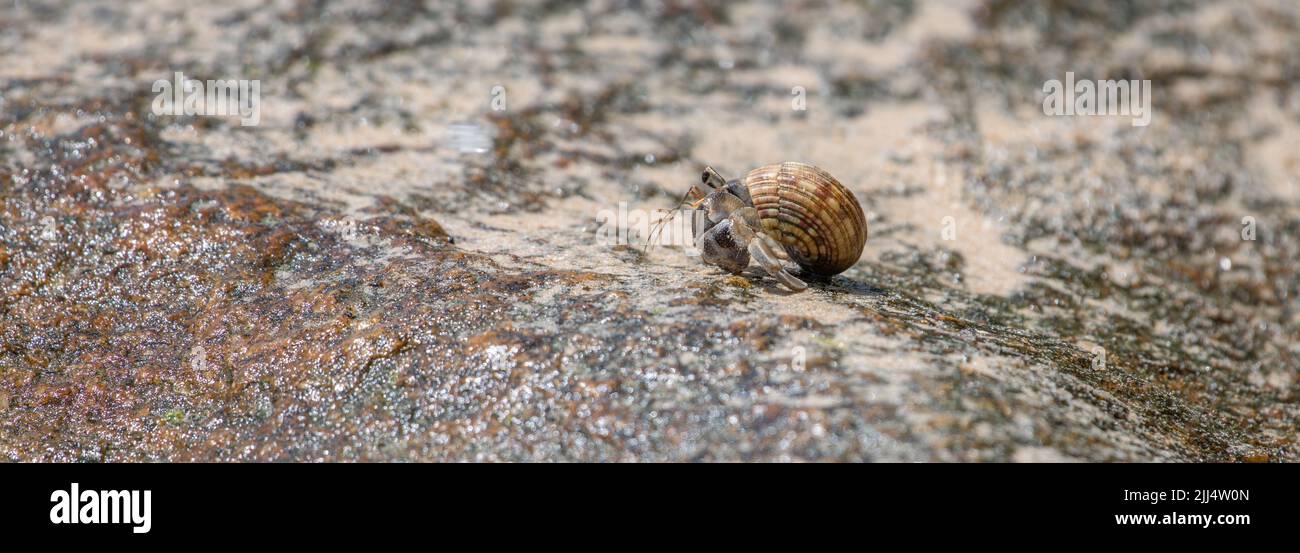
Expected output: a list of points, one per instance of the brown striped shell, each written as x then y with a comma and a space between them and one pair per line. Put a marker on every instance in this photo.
815, 217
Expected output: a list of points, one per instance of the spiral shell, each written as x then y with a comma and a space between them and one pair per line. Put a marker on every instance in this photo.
815, 217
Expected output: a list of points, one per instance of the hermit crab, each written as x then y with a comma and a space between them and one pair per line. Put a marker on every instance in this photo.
782, 212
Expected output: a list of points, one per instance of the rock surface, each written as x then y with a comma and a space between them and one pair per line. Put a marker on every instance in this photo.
402, 261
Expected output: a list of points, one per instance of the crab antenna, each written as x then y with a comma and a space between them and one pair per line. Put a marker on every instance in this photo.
659, 225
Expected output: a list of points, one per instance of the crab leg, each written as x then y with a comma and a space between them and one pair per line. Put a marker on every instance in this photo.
759, 250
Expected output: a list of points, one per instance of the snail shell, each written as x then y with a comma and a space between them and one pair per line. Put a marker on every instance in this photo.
815, 217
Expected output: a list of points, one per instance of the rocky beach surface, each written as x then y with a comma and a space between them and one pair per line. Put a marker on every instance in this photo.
401, 259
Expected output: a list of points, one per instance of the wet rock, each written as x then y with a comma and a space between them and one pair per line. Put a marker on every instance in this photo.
399, 261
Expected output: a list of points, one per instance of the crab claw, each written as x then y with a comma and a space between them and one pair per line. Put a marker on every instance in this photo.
720, 246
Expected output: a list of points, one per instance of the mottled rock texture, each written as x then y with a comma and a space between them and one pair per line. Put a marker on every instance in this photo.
389, 267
